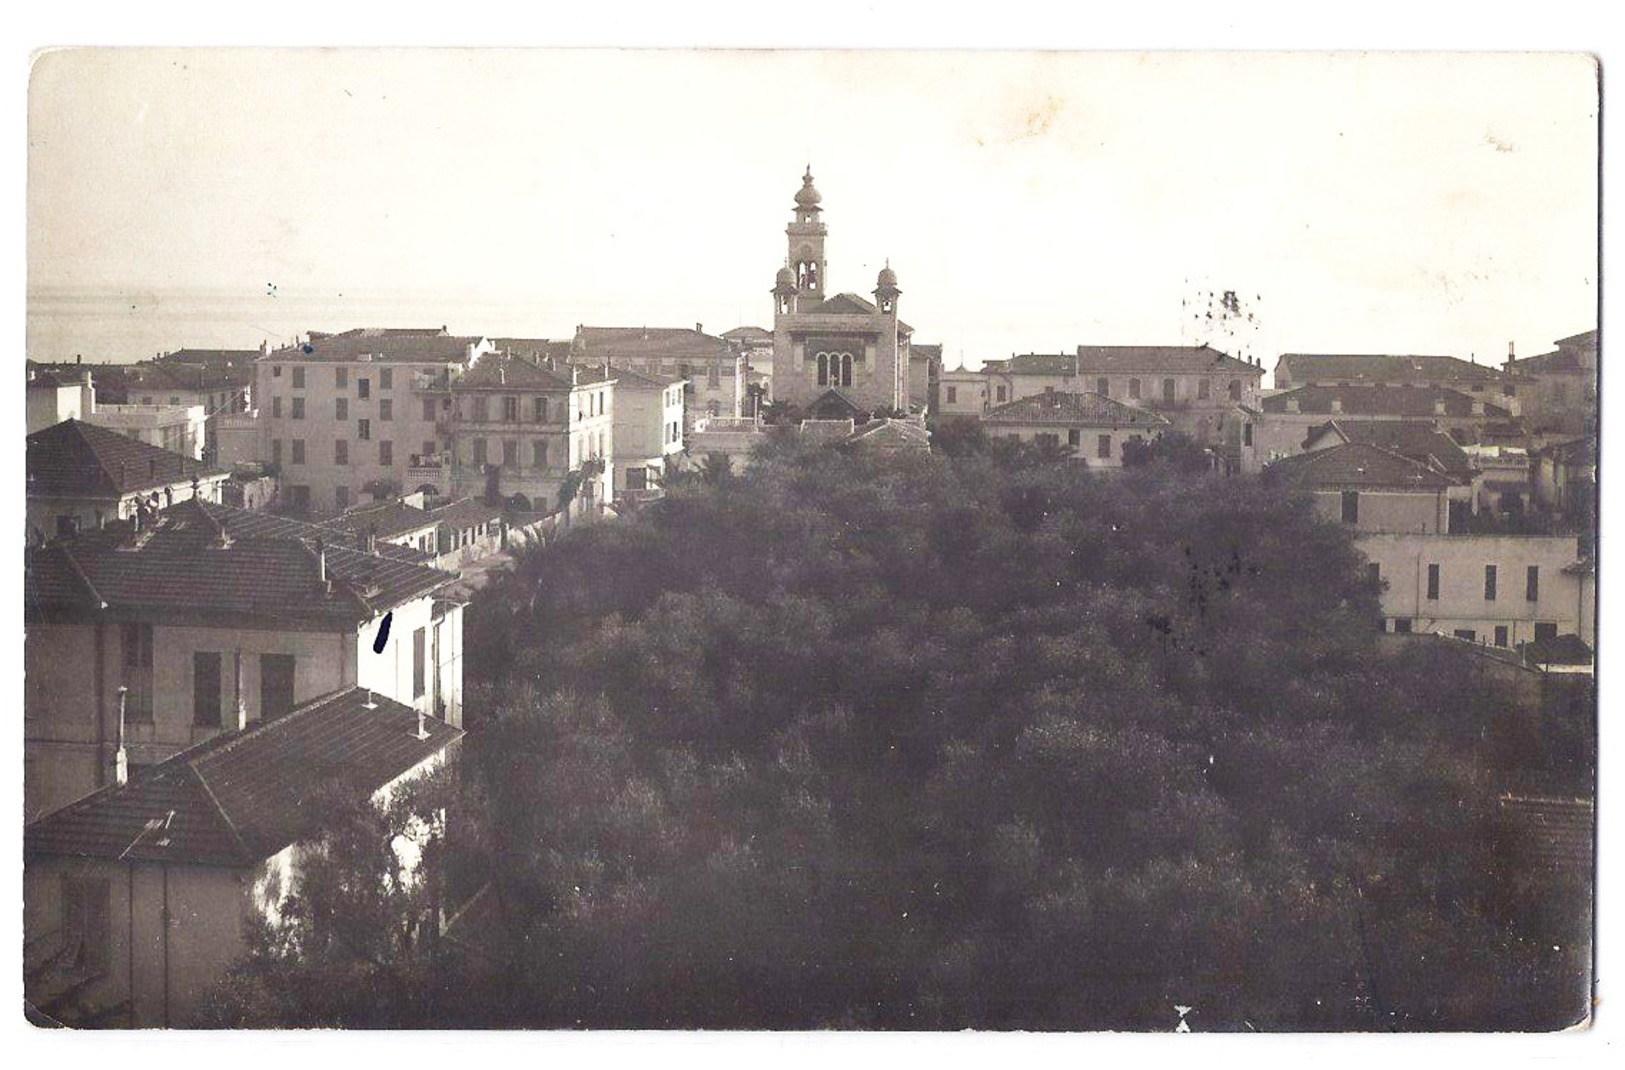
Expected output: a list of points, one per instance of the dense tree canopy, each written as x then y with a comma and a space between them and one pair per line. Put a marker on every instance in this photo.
906, 741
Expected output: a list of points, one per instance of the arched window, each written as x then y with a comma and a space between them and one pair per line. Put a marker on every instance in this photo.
846, 369
823, 369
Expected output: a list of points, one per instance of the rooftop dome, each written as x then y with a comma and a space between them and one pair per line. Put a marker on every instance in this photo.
785, 277
887, 278
807, 196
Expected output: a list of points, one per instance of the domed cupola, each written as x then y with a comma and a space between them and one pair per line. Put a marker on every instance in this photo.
807, 197
886, 290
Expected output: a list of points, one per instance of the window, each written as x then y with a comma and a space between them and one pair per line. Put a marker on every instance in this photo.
206, 689
276, 408
510, 409
276, 371
386, 378
538, 409
298, 409
299, 378
428, 410
341, 498
538, 453
1134, 389
363, 388
1373, 572
363, 430
86, 926
1351, 507
1167, 390
137, 675
1500, 635
1203, 389
713, 376
1001, 393
1544, 632
1466, 633
482, 408
510, 453
479, 451
428, 449
341, 377
1074, 437
1531, 584
953, 395
1402, 625
341, 451
341, 408
1044, 438
637, 478
299, 498
386, 410
418, 657
1433, 583
1103, 447
1247, 434
1489, 583
386, 453
1103, 387
276, 684
298, 451
1235, 389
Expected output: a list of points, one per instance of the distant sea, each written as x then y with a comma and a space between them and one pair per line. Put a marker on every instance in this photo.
110, 326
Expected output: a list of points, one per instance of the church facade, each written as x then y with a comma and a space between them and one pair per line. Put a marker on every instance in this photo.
835, 356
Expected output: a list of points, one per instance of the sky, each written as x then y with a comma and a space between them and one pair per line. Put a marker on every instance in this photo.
1421, 203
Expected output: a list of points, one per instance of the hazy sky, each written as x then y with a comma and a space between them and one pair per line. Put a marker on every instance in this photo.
1361, 203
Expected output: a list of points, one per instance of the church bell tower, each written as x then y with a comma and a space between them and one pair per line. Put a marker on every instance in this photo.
806, 244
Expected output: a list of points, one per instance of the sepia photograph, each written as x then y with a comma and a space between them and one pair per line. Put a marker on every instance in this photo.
789, 540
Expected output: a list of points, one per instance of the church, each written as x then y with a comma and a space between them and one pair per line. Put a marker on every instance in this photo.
841, 356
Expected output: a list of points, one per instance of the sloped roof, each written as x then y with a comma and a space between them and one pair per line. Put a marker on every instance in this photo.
1069, 409
1418, 441
625, 377
843, 303
74, 459
496, 372
1558, 362
181, 563
1161, 360
1582, 450
538, 348
171, 374
659, 343
465, 512
386, 520
1583, 339
209, 357
890, 433
243, 796
1360, 464
1380, 368
748, 334
1380, 400
401, 345
1566, 649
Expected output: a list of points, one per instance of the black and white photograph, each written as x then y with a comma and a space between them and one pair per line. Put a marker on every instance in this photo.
705, 539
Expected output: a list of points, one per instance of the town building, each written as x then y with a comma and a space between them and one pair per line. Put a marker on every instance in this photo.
56, 396
1416, 441
963, 393
403, 521
202, 619
755, 344
836, 356
715, 375
1092, 427
1290, 415
1561, 395
81, 477
649, 419
137, 898
1371, 489
1481, 381
1503, 484
1193, 387
177, 428
368, 411
1564, 478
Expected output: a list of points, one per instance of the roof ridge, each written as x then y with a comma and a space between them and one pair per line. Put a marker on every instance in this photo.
214, 801
78, 570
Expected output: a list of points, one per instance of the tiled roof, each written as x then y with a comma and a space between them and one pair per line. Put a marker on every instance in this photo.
264, 567
404, 345
243, 796
1418, 441
748, 334
386, 520
209, 357
465, 512
625, 377
890, 433
76, 459
845, 304
494, 371
1073, 410
1380, 368
1582, 450
1567, 649
1359, 464
1380, 400
1585, 339
538, 349
1161, 360
170, 374
1557, 362
661, 343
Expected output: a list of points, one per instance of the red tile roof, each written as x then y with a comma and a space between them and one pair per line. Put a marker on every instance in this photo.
243, 796
1308, 368
1072, 410
1418, 441
264, 567
1126, 360
1359, 464
494, 371
660, 343
78, 460
402, 345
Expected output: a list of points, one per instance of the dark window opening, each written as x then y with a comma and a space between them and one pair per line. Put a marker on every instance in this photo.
206, 689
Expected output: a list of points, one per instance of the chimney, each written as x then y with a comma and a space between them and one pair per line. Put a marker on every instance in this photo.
699, 328
575, 374
423, 727
265, 347
321, 559
1478, 408
369, 704
78, 358
372, 538
1511, 356
1438, 407
1337, 404
121, 760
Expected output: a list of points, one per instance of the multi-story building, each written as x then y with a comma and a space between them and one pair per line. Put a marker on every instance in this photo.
146, 639
57, 396
715, 373
137, 899
81, 477
1289, 416
520, 429
1561, 397
220, 381
1193, 387
1370, 488
1093, 427
368, 411
962, 393
177, 428
837, 356
1481, 381
648, 430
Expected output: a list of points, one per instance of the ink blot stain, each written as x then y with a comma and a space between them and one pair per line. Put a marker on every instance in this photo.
383, 633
